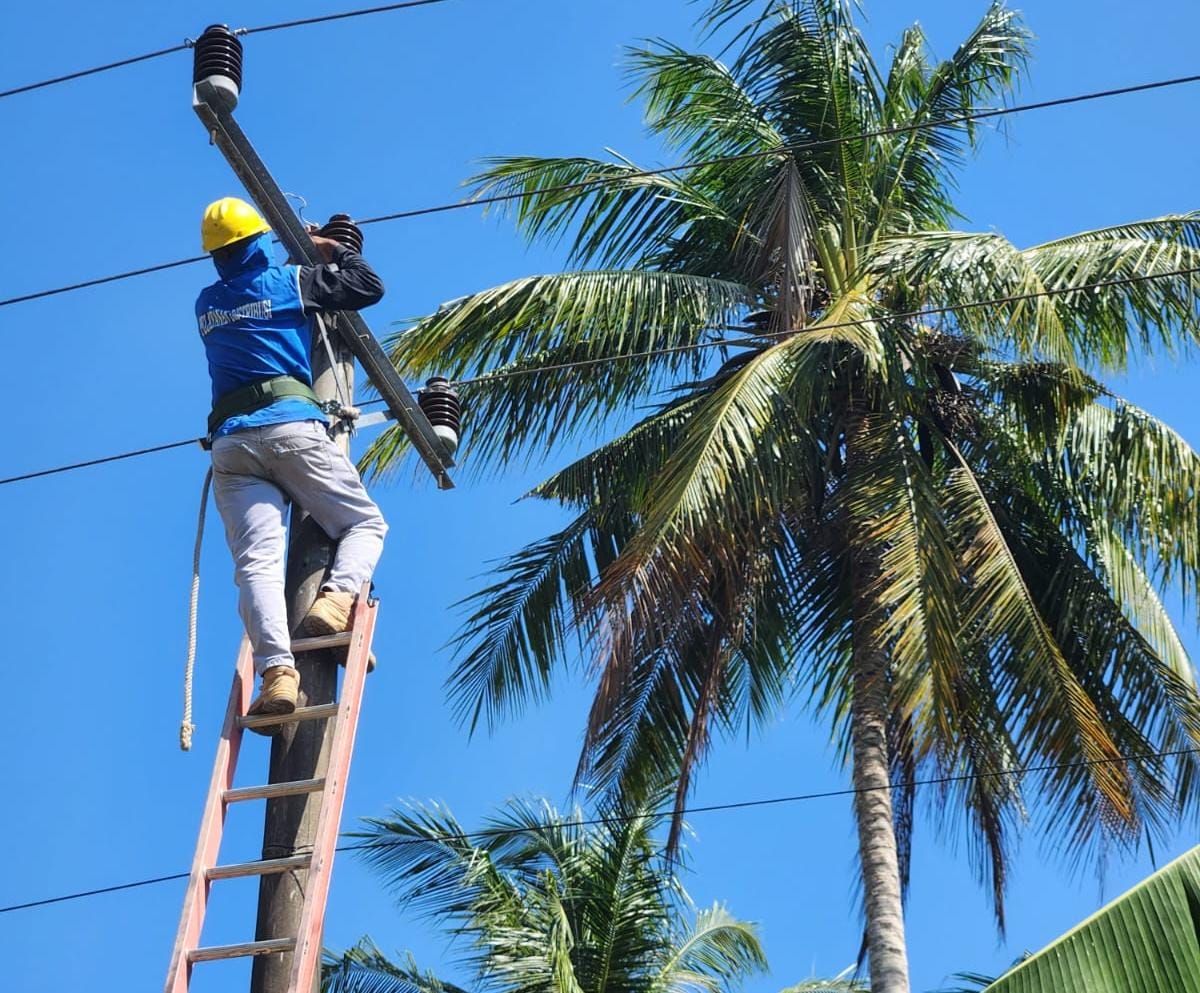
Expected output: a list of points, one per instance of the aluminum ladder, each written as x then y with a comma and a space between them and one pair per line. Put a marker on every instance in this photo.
305, 946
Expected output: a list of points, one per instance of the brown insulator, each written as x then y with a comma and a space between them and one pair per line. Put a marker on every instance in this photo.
344, 231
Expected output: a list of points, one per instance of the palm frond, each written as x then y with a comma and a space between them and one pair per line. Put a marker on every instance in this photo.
912, 181
950, 267
717, 947
513, 637
828, 986
1151, 706
893, 506
1113, 292
613, 213
1135, 472
697, 104
726, 651
1059, 719
780, 250
614, 475
365, 969
541, 322
428, 860
550, 902
747, 448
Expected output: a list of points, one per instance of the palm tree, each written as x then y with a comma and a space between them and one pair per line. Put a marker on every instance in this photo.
941, 529
548, 903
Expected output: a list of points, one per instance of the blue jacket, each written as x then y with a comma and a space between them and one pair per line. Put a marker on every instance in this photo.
254, 321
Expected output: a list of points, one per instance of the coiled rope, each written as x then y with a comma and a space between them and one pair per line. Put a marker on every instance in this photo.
187, 727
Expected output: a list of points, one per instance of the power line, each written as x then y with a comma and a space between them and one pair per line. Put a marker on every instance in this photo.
302, 22
806, 146
146, 57
660, 815
750, 339
601, 181
758, 338
94, 70
103, 279
67, 897
100, 461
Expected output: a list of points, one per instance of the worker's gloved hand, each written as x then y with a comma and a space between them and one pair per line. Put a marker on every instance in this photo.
324, 245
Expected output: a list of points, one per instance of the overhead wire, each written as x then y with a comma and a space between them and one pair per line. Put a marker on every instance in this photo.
94, 70
189, 43
100, 461
795, 147
601, 181
102, 279
760, 336
324, 18
749, 339
484, 833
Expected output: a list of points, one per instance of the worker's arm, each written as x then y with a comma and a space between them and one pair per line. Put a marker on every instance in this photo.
345, 282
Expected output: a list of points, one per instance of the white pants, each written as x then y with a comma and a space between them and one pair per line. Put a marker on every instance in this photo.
255, 473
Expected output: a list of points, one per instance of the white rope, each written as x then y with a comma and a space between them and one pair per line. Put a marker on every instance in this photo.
347, 414
342, 392
187, 727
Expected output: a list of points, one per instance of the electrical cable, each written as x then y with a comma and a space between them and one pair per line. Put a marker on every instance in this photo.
99, 461
750, 339
660, 815
102, 279
807, 146
601, 181
94, 70
183, 46
758, 337
302, 22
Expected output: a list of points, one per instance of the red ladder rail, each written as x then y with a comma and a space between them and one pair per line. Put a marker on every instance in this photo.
221, 793
307, 958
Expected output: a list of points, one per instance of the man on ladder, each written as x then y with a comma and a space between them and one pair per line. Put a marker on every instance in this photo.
268, 433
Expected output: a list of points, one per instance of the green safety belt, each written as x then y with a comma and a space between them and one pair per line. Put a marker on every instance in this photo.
255, 396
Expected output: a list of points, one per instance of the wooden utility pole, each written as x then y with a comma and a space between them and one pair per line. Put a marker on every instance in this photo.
301, 751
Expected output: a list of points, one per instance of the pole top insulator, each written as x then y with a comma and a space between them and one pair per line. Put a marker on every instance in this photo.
217, 60
439, 400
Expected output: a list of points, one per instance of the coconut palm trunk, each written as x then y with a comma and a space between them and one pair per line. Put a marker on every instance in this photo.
878, 855
873, 813
870, 707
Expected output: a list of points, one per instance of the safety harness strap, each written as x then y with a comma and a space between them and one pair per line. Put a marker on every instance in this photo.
255, 396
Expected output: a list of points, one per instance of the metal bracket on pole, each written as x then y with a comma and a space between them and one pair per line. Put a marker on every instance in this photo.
210, 107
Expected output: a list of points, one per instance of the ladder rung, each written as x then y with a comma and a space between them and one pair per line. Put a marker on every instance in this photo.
246, 948
303, 714
272, 790
263, 867
322, 641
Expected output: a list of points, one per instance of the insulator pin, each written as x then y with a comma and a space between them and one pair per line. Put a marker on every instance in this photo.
439, 400
217, 60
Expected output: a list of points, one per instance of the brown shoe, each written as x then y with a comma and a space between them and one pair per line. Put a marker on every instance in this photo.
280, 685
330, 614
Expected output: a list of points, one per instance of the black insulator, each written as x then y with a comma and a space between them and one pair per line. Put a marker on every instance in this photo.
439, 401
217, 52
344, 231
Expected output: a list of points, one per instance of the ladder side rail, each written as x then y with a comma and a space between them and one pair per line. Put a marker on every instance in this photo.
307, 957
212, 824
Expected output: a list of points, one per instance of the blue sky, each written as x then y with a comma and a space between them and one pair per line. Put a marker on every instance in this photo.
372, 116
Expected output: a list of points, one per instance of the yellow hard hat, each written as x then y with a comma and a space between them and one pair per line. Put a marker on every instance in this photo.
228, 220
